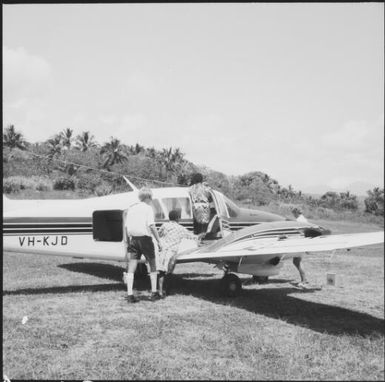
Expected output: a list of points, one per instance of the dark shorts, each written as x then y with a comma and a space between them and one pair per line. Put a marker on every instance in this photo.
141, 245
199, 227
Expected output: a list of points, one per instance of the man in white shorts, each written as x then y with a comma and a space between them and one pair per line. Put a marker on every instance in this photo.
140, 227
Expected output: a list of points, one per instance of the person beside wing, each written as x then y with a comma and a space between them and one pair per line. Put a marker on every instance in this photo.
171, 234
297, 261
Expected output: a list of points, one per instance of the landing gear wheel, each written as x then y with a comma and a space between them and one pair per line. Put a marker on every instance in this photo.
231, 285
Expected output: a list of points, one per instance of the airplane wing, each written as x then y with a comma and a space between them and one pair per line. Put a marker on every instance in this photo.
288, 246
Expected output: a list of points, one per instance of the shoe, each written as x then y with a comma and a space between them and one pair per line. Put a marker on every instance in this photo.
131, 299
303, 285
162, 295
155, 296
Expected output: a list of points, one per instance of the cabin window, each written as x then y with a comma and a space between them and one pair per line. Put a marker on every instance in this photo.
232, 208
219, 204
107, 225
158, 212
182, 205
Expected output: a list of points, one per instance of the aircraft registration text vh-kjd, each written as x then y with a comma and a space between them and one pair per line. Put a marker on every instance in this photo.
30, 241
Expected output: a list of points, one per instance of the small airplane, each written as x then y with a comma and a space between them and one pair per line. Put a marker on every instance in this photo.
244, 241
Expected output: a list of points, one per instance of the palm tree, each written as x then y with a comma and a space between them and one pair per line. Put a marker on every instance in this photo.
55, 145
178, 156
166, 160
13, 139
66, 136
85, 141
113, 152
172, 160
152, 153
138, 149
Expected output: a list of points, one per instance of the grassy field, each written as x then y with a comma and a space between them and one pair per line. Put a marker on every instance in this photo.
79, 326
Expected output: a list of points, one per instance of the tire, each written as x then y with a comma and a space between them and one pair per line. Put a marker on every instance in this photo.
231, 285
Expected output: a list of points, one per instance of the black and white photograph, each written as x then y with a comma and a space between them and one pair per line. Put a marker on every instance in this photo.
193, 191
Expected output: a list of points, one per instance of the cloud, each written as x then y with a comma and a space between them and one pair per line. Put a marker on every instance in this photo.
353, 152
107, 119
140, 89
353, 135
27, 84
206, 140
130, 128
25, 76
140, 83
133, 126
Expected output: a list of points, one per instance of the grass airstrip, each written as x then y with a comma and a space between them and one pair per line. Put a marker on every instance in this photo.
66, 318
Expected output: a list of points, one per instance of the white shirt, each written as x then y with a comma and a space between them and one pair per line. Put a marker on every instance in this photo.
138, 219
302, 219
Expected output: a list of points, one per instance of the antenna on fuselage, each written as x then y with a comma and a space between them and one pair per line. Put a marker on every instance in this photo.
134, 188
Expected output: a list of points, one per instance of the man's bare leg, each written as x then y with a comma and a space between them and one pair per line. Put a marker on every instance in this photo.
161, 282
297, 261
132, 264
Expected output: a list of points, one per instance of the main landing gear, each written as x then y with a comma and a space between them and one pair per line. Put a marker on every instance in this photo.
231, 285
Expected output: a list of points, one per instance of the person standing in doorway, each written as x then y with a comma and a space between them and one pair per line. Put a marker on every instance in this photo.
200, 197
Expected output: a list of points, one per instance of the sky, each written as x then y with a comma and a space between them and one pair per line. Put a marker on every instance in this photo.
295, 90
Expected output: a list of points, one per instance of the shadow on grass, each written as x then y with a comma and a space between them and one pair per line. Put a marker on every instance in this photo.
110, 272
105, 271
274, 303
278, 304
196, 275
65, 289
115, 273
102, 270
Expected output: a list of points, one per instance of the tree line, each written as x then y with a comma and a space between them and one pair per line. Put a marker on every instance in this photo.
80, 163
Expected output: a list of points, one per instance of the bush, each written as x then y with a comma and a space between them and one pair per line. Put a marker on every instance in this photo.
64, 183
88, 181
103, 189
17, 183
42, 183
374, 203
339, 201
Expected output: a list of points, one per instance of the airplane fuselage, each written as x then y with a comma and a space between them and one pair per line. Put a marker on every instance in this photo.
64, 217
93, 227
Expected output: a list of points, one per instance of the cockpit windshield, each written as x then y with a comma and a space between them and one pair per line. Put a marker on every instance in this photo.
182, 205
232, 208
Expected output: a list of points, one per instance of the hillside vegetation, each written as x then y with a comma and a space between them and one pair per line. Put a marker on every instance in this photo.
83, 167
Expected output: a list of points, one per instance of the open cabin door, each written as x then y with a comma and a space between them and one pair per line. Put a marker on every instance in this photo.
222, 218
108, 225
